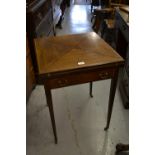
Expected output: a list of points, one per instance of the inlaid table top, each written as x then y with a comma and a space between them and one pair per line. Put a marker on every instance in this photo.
70, 52
75, 59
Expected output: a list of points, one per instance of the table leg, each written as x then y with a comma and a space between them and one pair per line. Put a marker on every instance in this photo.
90, 91
111, 99
50, 105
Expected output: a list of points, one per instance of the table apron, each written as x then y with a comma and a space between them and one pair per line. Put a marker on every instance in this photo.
79, 78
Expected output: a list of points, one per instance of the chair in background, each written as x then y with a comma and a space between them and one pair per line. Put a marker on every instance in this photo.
104, 21
100, 15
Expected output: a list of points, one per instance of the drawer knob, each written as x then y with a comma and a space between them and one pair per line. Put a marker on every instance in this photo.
103, 75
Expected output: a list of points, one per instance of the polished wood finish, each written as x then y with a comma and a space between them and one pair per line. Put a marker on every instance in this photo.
52, 52
76, 59
82, 77
100, 16
122, 34
50, 105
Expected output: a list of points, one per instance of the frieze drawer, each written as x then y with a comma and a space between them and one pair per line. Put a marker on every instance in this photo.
73, 79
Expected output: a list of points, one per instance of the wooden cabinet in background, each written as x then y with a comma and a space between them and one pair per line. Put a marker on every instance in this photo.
41, 18
30, 77
122, 47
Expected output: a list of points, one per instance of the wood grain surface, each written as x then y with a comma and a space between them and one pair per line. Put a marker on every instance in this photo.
63, 53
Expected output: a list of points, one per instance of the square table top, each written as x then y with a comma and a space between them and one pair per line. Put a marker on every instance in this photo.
69, 52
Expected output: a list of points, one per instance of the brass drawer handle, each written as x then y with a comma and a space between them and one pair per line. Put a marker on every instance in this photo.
62, 82
103, 75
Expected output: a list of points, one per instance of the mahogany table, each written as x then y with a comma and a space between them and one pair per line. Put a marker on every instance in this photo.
76, 59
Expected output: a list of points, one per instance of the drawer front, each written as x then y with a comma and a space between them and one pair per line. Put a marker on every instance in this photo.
80, 78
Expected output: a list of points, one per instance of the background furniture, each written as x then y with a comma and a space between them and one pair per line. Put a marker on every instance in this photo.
30, 77
113, 24
122, 47
39, 22
106, 12
42, 16
39, 18
76, 59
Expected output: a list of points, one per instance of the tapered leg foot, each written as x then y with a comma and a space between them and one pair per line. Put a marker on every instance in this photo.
106, 128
